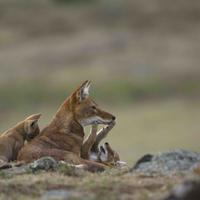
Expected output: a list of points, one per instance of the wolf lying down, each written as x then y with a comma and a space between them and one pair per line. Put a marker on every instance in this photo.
63, 138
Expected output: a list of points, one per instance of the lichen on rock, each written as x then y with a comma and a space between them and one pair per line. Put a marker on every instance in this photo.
168, 162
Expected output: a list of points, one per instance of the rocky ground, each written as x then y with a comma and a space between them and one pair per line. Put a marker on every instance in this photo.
48, 179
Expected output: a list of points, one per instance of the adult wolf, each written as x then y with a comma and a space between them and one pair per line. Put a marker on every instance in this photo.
63, 137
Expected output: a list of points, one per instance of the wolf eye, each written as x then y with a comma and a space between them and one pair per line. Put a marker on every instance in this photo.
94, 107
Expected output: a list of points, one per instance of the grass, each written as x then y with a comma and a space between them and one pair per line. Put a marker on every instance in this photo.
92, 186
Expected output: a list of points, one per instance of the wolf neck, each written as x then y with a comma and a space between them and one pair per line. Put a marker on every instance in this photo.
66, 122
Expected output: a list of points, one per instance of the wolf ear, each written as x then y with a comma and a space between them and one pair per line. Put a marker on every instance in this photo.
83, 92
109, 149
34, 117
31, 123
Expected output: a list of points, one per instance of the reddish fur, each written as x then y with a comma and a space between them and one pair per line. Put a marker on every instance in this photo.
12, 140
63, 137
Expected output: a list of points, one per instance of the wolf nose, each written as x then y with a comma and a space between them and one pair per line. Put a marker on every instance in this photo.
113, 118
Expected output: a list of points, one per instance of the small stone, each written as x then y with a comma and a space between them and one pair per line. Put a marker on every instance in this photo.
45, 163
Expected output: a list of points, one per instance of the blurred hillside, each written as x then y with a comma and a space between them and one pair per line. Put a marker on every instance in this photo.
140, 41
139, 54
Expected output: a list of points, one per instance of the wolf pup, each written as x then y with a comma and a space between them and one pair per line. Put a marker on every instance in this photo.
107, 155
12, 140
92, 150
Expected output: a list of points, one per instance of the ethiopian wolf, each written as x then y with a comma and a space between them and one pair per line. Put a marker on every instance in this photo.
62, 139
12, 140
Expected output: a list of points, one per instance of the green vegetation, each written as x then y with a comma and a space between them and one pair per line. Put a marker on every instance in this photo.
31, 93
92, 187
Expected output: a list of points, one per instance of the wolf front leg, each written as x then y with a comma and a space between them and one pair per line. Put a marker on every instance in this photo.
102, 133
89, 142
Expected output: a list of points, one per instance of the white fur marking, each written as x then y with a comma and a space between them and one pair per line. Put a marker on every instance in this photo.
121, 163
85, 91
94, 120
93, 157
104, 157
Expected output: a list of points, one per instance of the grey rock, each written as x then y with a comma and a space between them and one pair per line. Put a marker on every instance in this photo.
168, 162
23, 169
45, 163
188, 190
